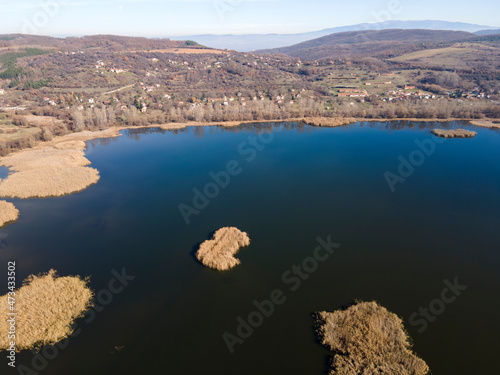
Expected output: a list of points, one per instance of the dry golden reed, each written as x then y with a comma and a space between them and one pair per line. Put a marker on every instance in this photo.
46, 157
70, 145
369, 340
218, 253
48, 182
8, 213
328, 121
454, 133
491, 123
46, 307
48, 171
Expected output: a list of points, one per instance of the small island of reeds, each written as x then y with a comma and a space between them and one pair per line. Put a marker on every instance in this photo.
368, 339
218, 253
46, 307
454, 133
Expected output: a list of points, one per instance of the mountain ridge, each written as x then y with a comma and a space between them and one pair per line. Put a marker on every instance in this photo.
252, 42
370, 43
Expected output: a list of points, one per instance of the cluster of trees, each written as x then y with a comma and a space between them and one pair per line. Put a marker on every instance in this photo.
440, 109
32, 84
442, 79
23, 141
101, 117
15, 73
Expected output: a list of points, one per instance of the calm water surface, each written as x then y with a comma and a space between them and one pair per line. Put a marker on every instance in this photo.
4, 172
296, 183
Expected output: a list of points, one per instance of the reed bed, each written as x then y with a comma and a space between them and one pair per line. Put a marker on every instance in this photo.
45, 157
218, 253
70, 145
48, 182
328, 121
48, 171
8, 213
492, 123
368, 339
87, 135
46, 306
454, 133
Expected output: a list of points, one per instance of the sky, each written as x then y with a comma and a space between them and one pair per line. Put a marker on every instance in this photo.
163, 18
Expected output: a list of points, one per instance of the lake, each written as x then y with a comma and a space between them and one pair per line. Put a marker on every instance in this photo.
403, 237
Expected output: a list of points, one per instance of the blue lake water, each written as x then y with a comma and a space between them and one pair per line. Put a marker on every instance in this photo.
4, 172
400, 244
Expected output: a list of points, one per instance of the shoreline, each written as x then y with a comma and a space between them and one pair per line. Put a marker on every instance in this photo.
114, 131
59, 167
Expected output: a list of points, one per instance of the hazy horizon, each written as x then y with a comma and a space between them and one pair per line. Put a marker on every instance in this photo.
173, 18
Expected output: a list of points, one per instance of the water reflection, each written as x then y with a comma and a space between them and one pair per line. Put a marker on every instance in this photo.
93, 143
300, 127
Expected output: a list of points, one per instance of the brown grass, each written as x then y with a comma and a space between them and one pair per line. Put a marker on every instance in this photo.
45, 157
218, 253
48, 182
428, 53
13, 132
40, 121
368, 339
328, 121
70, 145
86, 136
53, 169
46, 307
8, 213
486, 123
454, 133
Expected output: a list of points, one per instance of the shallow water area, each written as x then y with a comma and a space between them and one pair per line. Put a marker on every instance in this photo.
4, 173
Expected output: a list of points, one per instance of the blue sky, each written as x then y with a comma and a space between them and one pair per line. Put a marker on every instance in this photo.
188, 17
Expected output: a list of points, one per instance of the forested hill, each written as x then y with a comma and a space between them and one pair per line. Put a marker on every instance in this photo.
106, 42
383, 43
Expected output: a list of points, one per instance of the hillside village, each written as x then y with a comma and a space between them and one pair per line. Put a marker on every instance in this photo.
227, 69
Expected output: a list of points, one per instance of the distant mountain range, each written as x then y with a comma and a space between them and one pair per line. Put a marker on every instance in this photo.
251, 42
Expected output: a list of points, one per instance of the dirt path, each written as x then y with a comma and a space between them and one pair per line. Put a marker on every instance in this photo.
120, 89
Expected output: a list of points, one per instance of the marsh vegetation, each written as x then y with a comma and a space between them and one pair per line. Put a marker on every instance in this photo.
218, 253
8, 213
368, 339
46, 307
